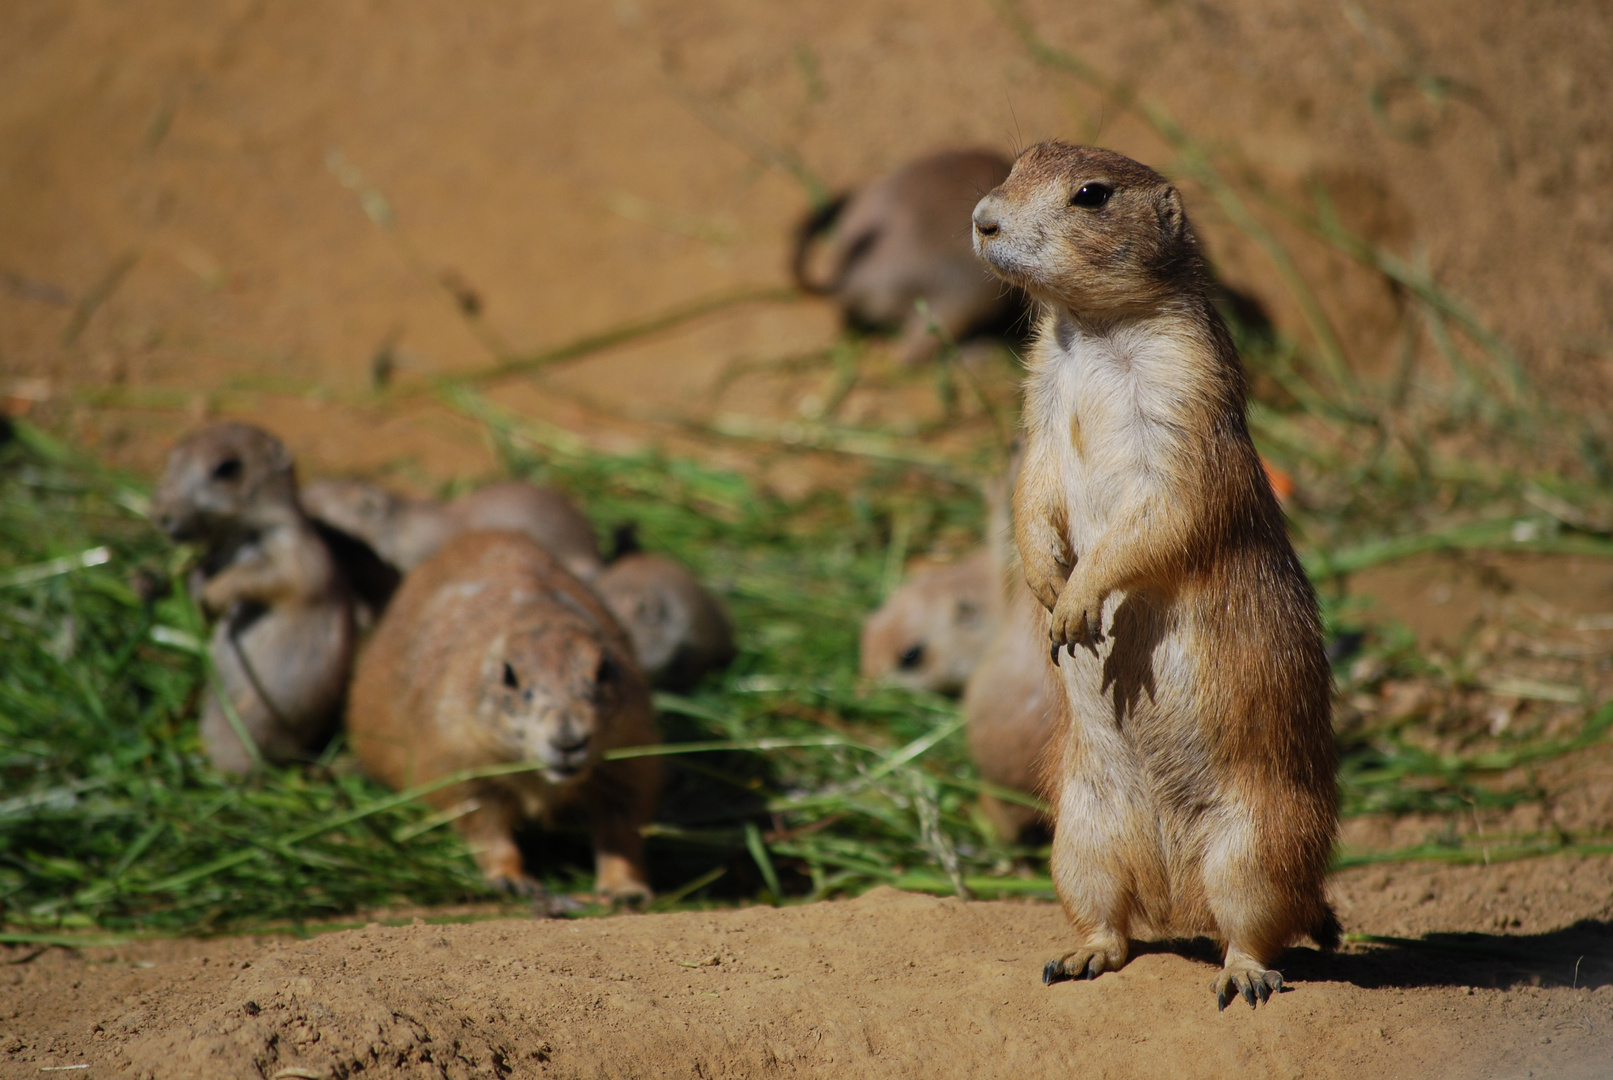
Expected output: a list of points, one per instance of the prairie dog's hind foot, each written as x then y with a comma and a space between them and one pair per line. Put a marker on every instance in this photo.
1247, 978
519, 886
1087, 962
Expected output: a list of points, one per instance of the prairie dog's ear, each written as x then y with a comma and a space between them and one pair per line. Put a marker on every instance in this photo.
1172, 218
279, 457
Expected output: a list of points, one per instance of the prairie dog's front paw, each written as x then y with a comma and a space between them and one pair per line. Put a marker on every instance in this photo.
619, 880
1047, 561
1077, 618
633, 894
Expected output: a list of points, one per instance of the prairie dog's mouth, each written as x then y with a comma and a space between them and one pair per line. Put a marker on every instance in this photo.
562, 765
1006, 259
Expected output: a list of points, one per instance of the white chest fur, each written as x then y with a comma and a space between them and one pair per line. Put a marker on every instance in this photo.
1104, 413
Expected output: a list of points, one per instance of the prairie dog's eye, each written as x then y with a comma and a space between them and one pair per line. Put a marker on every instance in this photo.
228, 469
509, 677
911, 657
1092, 196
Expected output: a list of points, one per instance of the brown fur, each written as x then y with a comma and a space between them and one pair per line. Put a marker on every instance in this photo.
930, 633
1012, 704
679, 630
1012, 701
406, 532
283, 643
490, 654
905, 238
1195, 790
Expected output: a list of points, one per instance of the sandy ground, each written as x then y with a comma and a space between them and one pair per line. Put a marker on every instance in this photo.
890, 984
234, 207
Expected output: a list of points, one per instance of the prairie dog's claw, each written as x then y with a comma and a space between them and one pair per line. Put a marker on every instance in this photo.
1086, 963
1254, 985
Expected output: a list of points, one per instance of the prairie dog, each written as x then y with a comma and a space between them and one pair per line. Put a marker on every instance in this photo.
283, 642
1013, 711
490, 654
1194, 786
406, 532
1010, 700
931, 631
904, 238
678, 629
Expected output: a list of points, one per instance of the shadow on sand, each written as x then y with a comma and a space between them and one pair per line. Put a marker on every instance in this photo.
1579, 955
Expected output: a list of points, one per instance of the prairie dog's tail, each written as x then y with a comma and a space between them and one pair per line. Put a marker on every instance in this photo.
812, 226
1327, 932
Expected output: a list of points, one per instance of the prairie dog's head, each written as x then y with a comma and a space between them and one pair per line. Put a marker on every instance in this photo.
657, 620
549, 693
930, 633
224, 478
354, 507
679, 630
1086, 229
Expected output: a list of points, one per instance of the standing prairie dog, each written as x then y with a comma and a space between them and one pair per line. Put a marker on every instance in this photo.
406, 532
905, 238
283, 643
930, 633
492, 654
678, 629
1194, 790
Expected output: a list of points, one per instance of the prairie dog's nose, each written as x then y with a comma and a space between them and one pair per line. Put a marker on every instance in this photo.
168, 519
985, 217
570, 738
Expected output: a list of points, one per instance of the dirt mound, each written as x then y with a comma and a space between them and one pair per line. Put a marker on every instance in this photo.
889, 984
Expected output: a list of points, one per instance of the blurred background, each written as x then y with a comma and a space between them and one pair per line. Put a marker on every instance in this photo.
238, 208
433, 244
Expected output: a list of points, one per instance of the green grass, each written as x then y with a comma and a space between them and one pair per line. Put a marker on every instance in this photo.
789, 777
110, 818
106, 803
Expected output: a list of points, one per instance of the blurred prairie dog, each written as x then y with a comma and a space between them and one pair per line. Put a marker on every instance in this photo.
1010, 702
1194, 786
1012, 707
905, 238
931, 631
491, 654
283, 642
678, 629
406, 532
